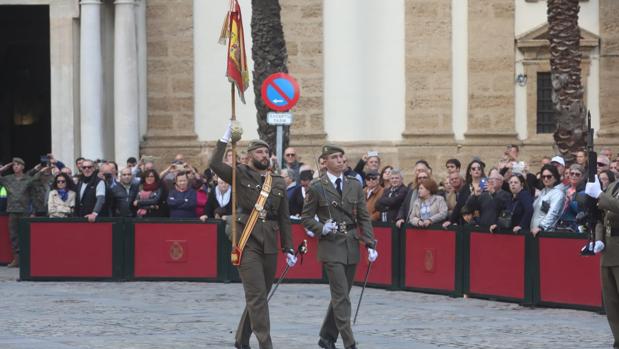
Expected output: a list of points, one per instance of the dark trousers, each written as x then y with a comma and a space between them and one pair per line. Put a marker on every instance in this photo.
610, 291
14, 219
257, 271
337, 320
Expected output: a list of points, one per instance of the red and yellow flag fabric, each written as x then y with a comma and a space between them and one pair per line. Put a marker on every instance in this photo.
232, 30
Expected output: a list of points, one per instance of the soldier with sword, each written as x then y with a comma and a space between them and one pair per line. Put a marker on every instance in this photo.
343, 220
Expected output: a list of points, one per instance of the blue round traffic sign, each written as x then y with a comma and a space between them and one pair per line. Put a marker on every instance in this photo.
280, 92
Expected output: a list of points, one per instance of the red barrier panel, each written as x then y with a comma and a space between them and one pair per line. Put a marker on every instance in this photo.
497, 265
311, 269
70, 249
382, 269
175, 250
430, 259
6, 253
565, 276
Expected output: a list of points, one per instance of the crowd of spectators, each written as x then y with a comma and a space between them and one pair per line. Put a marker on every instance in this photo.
508, 195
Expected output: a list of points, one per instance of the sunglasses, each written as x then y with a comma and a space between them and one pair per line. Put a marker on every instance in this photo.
576, 174
61, 181
371, 178
546, 176
291, 154
475, 168
601, 164
87, 167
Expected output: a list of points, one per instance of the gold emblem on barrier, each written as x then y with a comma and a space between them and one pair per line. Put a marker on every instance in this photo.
176, 251
428, 260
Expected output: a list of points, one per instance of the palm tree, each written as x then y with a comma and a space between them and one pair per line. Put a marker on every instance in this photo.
565, 56
270, 56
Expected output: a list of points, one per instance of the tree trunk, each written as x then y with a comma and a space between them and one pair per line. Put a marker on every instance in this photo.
270, 56
564, 37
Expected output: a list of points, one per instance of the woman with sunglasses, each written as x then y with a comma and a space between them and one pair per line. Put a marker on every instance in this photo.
373, 191
548, 206
61, 199
574, 196
474, 174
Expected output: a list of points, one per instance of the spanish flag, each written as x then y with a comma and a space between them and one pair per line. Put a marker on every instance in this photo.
232, 30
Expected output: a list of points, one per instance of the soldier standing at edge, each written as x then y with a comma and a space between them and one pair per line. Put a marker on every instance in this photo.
607, 242
259, 257
339, 203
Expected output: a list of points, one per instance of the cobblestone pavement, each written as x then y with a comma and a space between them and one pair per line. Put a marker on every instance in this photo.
186, 315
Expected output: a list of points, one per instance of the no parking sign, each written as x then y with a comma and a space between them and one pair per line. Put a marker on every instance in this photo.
280, 92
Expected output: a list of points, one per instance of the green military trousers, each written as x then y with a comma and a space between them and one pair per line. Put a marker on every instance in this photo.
610, 292
257, 271
341, 278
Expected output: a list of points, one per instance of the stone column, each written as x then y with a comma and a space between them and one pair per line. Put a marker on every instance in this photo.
91, 81
609, 70
141, 35
303, 30
428, 72
126, 118
64, 79
491, 73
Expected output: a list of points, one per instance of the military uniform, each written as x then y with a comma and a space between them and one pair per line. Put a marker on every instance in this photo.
338, 251
18, 201
259, 260
608, 232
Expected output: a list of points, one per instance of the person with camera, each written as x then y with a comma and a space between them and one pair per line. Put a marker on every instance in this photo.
182, 199
490, 202
548, 206
370, 161
474, 174
607, 244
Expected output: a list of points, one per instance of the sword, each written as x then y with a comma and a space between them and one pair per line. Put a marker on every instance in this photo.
302, 250
365, 282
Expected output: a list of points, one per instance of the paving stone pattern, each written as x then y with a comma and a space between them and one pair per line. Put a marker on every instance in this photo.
188, 315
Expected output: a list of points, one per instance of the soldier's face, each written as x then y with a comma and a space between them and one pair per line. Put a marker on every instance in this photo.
260, 158
335, 163
17, 167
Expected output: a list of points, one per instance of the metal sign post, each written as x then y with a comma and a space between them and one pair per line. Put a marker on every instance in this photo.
279, 120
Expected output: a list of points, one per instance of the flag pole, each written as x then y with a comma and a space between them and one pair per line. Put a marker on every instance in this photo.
235, 256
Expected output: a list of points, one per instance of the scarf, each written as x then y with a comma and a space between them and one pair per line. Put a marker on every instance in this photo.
64, 194
222, 198
150, 187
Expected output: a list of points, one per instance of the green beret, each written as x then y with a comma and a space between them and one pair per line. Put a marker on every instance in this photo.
19, 161
329, 149
257, 143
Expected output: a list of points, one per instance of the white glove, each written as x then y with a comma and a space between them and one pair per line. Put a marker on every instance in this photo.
329, 227
593, 189
309, 233
598, 247
228, 134
291, 259
372, 255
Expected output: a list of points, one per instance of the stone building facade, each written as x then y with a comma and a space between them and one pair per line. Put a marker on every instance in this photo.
411, 79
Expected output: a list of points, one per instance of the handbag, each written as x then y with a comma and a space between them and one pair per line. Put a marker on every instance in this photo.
505, 218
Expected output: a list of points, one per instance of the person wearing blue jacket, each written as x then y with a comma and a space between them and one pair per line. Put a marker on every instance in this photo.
182, 199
